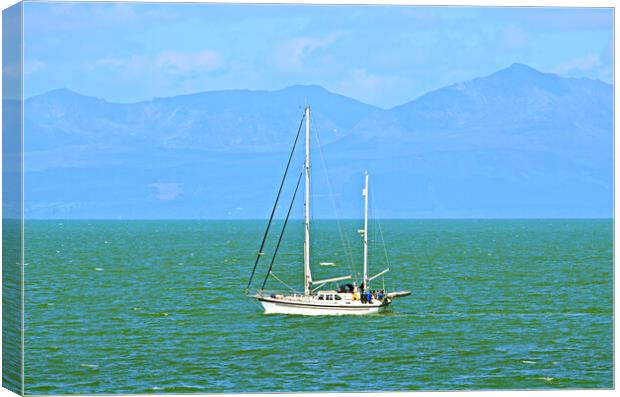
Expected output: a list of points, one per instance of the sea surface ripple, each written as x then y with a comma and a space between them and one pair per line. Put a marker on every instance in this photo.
159, 307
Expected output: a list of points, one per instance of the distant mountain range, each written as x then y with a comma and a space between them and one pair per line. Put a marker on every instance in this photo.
517, 143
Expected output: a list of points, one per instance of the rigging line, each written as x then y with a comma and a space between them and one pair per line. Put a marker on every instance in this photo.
343, 239
378, 223
288, 214
285, 284
273, 210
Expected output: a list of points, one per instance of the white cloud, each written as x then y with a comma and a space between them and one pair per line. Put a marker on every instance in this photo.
79, 12
361, 77
588, 62
170, 62
16, 70
34, 65
166, 191
78, 17
366, 86
135, 63
176, 62
293, 53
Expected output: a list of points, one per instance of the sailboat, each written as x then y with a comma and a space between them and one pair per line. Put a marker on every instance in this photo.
347, 299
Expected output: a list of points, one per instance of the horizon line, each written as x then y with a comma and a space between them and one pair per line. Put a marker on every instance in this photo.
321, 219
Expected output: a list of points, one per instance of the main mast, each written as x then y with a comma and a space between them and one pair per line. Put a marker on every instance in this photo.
365, 193
307, 274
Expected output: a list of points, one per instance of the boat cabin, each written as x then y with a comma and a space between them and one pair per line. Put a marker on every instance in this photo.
329, 296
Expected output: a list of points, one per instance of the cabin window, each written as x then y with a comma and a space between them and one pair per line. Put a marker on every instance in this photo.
330, 297
321, 297
337, 297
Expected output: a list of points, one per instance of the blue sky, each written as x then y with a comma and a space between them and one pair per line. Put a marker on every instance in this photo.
382, 55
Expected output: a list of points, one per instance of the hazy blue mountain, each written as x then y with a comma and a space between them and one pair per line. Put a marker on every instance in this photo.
235, 120
517, 143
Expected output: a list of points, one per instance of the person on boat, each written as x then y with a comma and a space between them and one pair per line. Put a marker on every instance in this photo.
369, 297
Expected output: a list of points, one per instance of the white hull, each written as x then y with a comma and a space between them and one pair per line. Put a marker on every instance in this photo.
313, 308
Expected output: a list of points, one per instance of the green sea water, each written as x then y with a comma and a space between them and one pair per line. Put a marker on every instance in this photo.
159, 307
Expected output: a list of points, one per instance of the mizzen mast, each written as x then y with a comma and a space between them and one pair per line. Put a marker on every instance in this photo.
307, 273
365, 194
